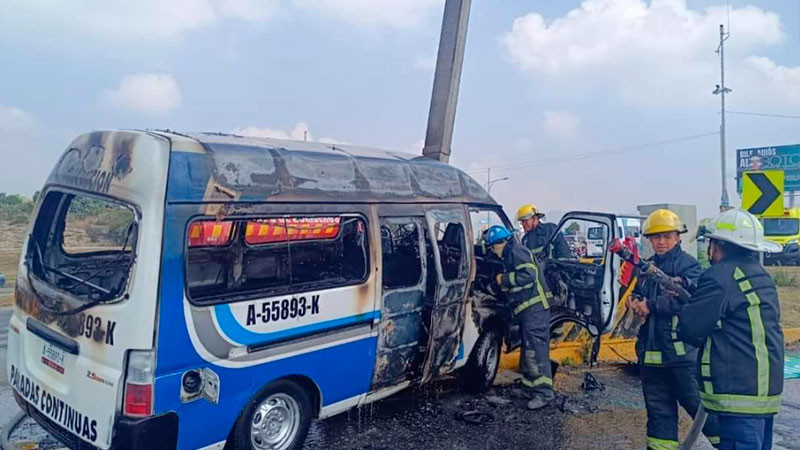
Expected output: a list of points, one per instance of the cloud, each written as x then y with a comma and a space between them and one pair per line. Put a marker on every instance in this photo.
29, 150
299, 132
785, 80
561, 125
426, 63
133, 21
659, 51
151, 93
394, 13
15, 121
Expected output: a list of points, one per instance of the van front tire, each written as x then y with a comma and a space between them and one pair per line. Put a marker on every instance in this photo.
277, 418
481, 369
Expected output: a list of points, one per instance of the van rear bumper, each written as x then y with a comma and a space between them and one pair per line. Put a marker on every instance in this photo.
156, 432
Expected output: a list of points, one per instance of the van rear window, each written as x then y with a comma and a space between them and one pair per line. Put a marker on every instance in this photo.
275, 255
83, 245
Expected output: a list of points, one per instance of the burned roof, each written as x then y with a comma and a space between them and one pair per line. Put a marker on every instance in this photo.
236, 168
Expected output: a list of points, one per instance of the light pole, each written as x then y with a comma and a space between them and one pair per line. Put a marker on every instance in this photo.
721, 90
492, 182
489, 183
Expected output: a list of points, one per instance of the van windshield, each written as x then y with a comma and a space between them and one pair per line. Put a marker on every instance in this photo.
83, 245
781, 227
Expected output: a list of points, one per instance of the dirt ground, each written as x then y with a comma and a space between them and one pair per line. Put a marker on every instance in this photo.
431, 417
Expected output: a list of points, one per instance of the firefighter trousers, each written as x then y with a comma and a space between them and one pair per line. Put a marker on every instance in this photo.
534, 359
664, 389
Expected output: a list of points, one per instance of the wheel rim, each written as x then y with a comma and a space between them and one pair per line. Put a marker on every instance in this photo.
491, 361
275, 422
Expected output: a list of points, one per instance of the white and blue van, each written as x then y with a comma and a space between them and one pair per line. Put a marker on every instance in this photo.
193, 291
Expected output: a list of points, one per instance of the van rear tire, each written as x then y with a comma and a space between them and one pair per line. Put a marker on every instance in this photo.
484, 361
278, 418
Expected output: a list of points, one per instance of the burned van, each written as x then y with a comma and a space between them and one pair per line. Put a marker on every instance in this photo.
198, 290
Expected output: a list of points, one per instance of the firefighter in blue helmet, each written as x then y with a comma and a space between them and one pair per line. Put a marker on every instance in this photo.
734, 318
530, 309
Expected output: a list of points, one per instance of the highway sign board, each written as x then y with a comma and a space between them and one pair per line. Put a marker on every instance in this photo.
762, 192
777, 157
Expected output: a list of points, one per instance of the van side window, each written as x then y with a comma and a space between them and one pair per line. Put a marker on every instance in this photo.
452, 249
270, 256
402, 265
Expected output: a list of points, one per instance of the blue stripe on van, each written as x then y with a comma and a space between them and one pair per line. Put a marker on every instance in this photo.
341, 371
239, 334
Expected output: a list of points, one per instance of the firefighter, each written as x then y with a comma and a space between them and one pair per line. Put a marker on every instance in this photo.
733, 317
530, 309
538, 233
667, 364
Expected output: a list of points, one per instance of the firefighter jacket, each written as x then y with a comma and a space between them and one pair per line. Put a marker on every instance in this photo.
658, 343
734, 318
536, 239
519, 278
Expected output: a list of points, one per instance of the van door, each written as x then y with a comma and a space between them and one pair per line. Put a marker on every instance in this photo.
585, 284
402, 333
447, 238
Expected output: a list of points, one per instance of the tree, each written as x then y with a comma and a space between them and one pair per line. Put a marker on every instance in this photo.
573, 228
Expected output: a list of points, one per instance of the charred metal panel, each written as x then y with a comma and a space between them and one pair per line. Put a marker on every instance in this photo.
400, 301
255, 169
121, 164
450, 299
402, 334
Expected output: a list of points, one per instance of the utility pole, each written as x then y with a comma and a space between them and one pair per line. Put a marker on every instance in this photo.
442, 113
489, 183
721, 90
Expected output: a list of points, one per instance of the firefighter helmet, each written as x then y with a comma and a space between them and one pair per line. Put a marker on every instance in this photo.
663, 221
741, 228
525, 212
497, 234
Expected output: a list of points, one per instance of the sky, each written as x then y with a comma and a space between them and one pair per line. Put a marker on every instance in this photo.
590, 105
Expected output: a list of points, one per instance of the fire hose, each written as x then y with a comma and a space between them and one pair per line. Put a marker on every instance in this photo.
648, 269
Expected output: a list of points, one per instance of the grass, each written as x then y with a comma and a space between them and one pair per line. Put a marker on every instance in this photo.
784, 277
9, 259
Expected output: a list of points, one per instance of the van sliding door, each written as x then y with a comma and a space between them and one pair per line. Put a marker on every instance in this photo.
446, 236
401, 336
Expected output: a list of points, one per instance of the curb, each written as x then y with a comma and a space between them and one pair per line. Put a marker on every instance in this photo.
611, 350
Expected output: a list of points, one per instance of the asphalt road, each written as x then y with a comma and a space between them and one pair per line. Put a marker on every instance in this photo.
429, 417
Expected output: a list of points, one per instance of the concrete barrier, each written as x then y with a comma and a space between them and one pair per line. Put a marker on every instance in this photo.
611, 350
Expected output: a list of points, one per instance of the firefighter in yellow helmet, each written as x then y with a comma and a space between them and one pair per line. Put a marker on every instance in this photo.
667, 365
538, 233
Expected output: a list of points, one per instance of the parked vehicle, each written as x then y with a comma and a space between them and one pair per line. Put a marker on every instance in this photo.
626, 226
784, 230
195, 290
2, 280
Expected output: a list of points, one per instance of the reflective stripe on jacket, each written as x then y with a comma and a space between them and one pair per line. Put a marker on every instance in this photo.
519, 278
734, 316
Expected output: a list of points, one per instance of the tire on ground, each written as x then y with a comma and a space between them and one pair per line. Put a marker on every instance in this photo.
277, 403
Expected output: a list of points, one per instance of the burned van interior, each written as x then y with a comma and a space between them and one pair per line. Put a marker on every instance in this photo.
83, 245
229, 260
575, 281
